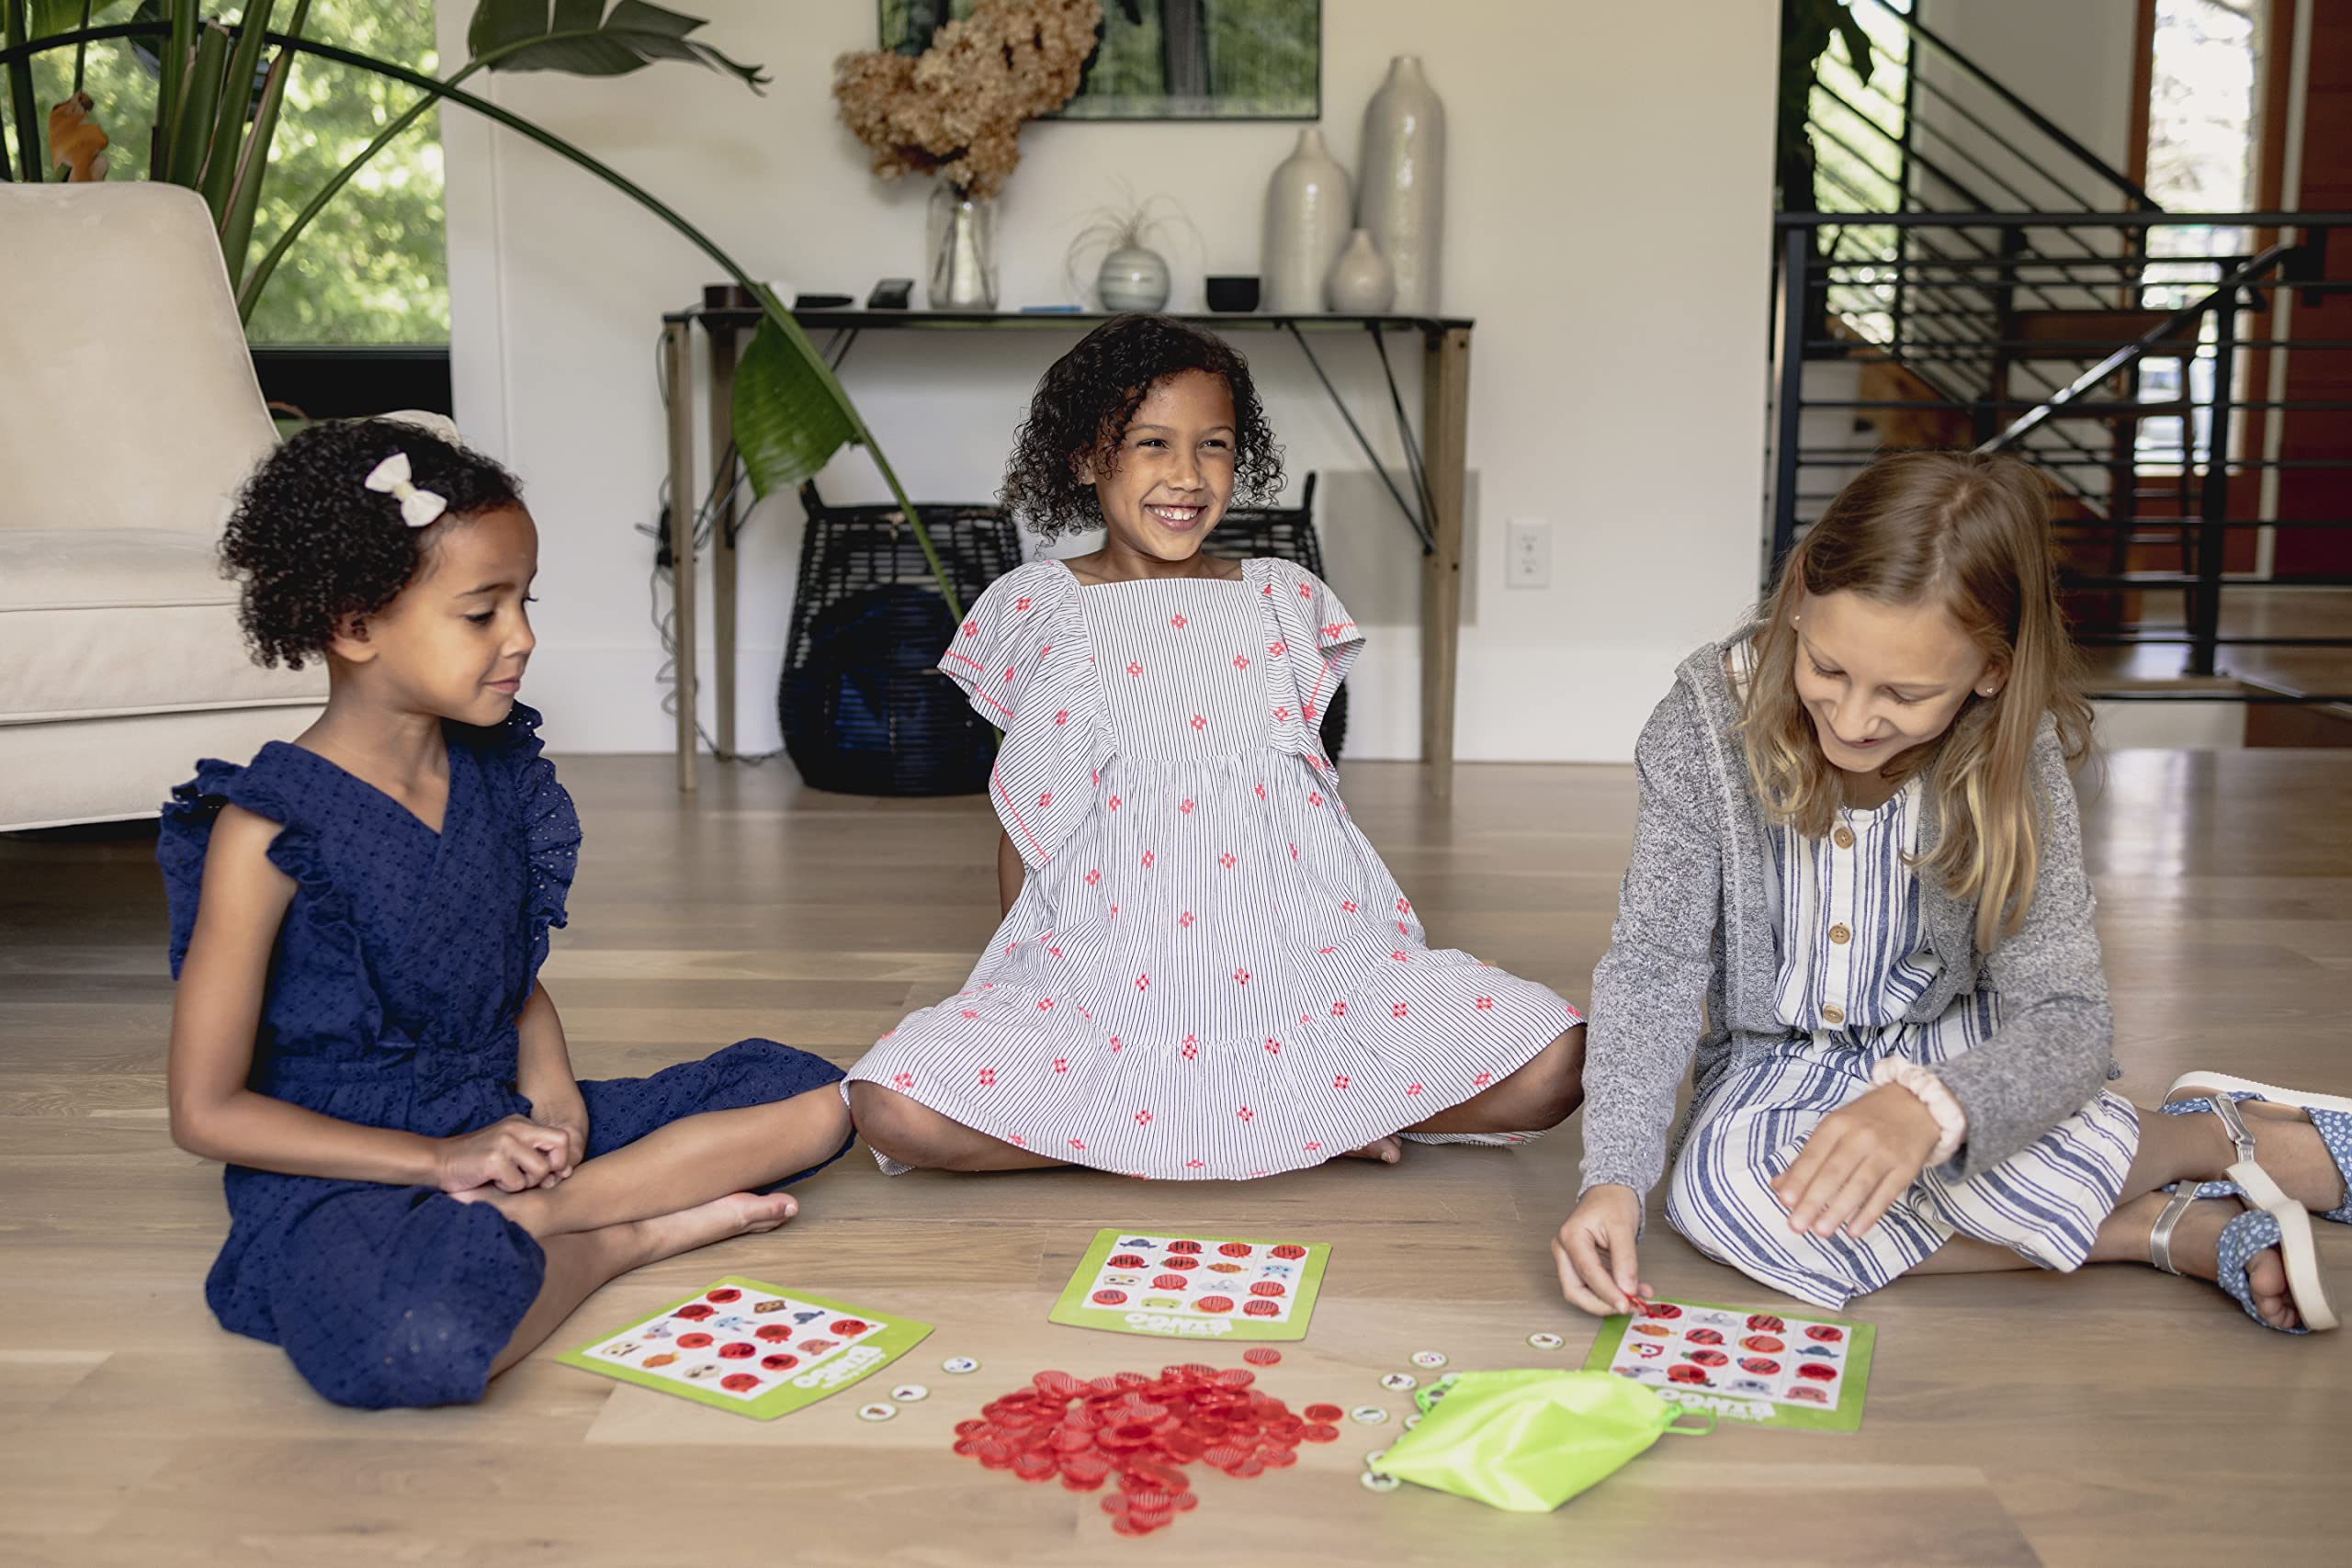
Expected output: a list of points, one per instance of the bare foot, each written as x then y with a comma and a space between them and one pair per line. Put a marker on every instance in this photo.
2196, 1247
738, 1214
1386, 1151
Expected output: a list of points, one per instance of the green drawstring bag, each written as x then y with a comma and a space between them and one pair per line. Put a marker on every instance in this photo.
1530, 1440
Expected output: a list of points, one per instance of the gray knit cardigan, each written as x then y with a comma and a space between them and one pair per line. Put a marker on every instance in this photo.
1694, 956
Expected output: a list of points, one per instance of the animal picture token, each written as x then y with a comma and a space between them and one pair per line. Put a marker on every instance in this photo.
1546, 1341
911, 1394
1369, 1415
1373, 1482
1400, 1382
1371, 1461
960, 1365
877, 1411
1428, 1358
1411, 1421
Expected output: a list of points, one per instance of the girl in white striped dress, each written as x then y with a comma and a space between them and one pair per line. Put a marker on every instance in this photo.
1204, 971
1858, 890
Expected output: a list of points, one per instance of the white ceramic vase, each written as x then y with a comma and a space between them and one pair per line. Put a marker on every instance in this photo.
1361, 283
1402, 200
1133, 278
1308, 214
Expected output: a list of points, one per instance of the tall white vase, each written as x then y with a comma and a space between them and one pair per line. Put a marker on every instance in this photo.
1402, 200
1309, 214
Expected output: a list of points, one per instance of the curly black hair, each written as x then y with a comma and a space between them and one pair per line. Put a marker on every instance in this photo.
1086, 399
315, 547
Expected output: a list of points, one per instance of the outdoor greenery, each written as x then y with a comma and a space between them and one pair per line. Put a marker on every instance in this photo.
372, 266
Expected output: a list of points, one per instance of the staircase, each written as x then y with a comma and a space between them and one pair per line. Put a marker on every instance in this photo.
1967, 275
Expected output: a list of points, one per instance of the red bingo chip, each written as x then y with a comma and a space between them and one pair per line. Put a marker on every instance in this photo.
1267, 1287
1826, 1335
1322, 1412
1764, 1344
1707, 1358
1183, 1263
1262, 1356
724, 1294
1818, 1372
1236, 1250
1127, 1260
695, 1313
1214, 1303
1660, 1309
1762, 1366
1288, 1250
1704, 1337
692, 1341
1184, 1247
738, 1350
1319, 1432
1260, 1309
1765, 1323
782, 1362
1110, 1298
773, 1333
1810, 1394
847, 1327
1168, 1281
739, 1383
1697, 1375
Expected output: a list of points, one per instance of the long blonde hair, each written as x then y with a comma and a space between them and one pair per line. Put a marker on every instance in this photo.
1972, 533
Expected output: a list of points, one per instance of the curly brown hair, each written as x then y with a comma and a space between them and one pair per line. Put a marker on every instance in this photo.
1085, 402
315, 548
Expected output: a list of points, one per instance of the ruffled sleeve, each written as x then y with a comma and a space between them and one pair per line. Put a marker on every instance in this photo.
1315, 643
331, 938
1024, 658
551, 835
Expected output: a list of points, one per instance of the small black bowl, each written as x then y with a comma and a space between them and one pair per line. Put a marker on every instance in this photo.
1233, 296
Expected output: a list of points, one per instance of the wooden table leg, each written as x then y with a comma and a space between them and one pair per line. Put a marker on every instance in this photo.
677, 363
1445, 426
722, 534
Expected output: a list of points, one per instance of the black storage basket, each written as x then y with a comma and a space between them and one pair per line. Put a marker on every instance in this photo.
864, 708
1287, 533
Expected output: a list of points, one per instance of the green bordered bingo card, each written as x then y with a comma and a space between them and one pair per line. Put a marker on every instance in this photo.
1195, 1287
1759, 1368
749, 1348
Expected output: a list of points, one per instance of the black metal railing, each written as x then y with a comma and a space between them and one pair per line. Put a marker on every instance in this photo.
2020, 343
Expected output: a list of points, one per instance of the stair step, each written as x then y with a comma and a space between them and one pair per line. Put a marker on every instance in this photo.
2062, 335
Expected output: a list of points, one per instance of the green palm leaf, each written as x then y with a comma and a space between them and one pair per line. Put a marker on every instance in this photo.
578, 37
788, 422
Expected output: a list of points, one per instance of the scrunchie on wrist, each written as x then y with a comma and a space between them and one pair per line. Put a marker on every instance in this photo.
1951, 1122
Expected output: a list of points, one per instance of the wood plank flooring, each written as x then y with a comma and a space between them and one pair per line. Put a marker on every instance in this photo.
2120, 1415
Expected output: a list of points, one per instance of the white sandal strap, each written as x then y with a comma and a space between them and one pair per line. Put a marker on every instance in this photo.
2305, 1287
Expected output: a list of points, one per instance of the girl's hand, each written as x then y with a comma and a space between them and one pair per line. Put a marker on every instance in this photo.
1859, 1160
513, 1155
1595, 1251
561, 1106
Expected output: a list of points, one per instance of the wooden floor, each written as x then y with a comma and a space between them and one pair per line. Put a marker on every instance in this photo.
2117, 1416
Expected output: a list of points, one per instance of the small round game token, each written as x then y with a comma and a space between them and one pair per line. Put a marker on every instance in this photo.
1400, 1382
1428, 1358
876, 1412
1371, 1461
911, 1394
1546, 1341
960, 1365
1322, 1412
1374, 1482
1369, 1415
1412, 1421
1262, 1355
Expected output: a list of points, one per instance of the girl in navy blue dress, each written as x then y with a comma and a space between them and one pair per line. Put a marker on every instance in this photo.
419, 1192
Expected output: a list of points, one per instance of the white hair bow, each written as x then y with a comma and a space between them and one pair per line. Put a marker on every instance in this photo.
418, 507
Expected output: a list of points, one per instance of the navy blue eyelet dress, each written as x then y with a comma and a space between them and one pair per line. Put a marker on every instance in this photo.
402, 965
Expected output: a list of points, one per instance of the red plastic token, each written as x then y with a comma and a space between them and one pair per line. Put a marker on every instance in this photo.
1288, 1250
723, 1295
1320, 1432
1322, 1412
1262, 1356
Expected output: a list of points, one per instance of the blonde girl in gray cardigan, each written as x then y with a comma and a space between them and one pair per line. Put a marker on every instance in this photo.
1857, 889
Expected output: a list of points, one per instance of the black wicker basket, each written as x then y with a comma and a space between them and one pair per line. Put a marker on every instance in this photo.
863, 707
1287, 533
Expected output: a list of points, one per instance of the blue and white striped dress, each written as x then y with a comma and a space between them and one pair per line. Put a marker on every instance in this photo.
1208, 973
1854, 961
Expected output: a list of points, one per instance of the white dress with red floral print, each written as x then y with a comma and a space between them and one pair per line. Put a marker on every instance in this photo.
1209, 974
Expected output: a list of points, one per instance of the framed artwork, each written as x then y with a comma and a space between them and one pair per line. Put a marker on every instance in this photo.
1172, 59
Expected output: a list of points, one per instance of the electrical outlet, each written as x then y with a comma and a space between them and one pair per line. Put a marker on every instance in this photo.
1528, 561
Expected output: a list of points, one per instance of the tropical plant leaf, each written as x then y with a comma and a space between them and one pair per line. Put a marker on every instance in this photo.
21, 104
200, 98
788, 422
578, 37
253, 166
228, 120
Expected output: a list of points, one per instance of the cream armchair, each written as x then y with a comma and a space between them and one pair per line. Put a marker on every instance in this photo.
128, 414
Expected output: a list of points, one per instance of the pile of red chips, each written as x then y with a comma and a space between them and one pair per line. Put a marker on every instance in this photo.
1143, 1430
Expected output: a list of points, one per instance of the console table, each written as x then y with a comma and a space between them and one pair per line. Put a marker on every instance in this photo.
1428, 495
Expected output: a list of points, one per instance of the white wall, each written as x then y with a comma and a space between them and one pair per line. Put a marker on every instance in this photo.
1609, 191
2071, 60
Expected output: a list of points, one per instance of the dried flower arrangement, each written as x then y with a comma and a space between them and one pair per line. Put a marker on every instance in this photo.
957, 109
